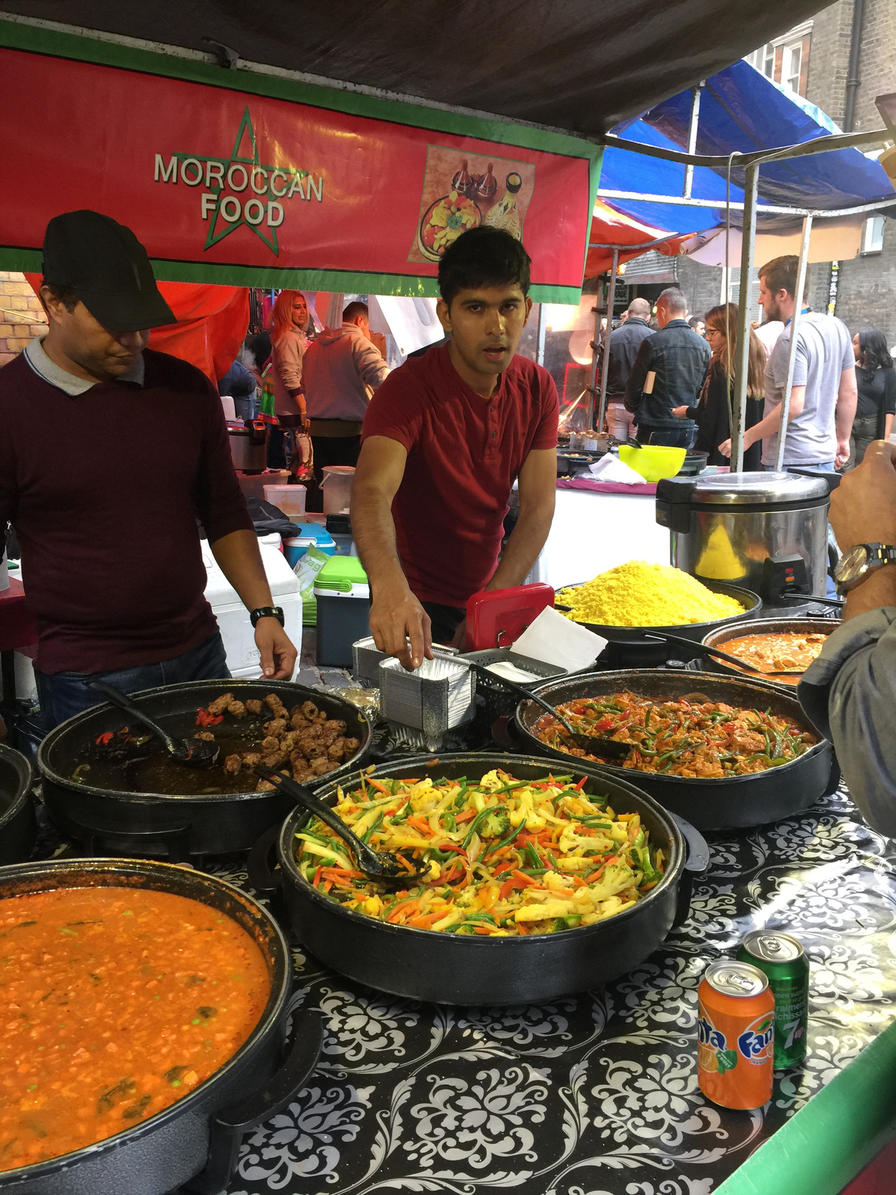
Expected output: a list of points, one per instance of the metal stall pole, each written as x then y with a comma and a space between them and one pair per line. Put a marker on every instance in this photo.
794, 325
742, 362
605, 364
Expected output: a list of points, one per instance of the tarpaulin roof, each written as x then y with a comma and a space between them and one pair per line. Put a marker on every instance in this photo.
740, 111
572, 65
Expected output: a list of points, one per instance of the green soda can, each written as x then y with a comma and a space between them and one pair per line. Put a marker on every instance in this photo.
784, 961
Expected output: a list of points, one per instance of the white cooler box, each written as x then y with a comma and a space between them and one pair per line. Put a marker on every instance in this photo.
233, 617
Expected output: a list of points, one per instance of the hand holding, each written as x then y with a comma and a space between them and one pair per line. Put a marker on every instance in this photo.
400, 626
277, 652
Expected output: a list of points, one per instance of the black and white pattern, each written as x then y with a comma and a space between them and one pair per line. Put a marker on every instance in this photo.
595, 1094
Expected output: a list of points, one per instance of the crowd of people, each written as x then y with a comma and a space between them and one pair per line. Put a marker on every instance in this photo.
674, 384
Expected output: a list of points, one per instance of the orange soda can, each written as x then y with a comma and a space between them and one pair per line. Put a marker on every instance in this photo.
735, 1035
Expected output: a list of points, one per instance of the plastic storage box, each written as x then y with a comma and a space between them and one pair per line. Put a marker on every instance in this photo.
232, 615
311, 535
288, 498
343, 609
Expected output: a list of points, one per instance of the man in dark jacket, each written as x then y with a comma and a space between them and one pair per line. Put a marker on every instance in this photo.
624, 344
668, 373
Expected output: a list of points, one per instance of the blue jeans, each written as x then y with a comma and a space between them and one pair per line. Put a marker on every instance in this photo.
61, 695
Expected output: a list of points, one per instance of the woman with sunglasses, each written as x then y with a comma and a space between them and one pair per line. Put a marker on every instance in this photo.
713, 415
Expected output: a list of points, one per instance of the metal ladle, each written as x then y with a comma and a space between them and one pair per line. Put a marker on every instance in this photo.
594, 744
193, 753
382, 866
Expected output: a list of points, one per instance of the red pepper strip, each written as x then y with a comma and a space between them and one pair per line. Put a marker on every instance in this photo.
581, 784
105, 738
204, 718
518, 880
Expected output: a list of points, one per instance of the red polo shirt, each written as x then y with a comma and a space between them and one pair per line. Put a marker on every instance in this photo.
464, 454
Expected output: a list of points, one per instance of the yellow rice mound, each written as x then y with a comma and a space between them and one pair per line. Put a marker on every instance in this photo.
639, 594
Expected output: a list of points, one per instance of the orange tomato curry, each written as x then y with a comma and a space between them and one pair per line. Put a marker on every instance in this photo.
116, 1002
773, 650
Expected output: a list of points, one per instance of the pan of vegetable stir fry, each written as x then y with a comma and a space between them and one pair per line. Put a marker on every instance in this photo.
542, 880
723, 752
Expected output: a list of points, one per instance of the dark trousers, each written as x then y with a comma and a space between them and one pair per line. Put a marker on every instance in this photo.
63, 694
445, 620
670, 437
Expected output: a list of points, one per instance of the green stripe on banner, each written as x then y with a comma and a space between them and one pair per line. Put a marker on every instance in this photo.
830, 1140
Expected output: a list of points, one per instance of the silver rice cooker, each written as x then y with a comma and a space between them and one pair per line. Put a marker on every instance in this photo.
764, 531
248, 445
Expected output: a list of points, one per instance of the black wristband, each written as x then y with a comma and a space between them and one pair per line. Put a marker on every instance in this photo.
266, 612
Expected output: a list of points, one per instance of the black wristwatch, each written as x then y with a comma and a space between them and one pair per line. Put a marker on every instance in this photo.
266, 612
859, 561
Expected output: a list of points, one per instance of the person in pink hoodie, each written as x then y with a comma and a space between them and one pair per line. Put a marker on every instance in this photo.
341, 369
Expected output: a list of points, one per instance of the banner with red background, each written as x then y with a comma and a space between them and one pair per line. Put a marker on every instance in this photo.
224, 184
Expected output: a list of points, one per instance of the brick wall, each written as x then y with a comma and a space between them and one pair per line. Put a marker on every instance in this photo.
867, 283
21, 315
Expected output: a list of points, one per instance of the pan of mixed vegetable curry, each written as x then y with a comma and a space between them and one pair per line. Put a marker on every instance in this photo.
722, 752
146, 1017
533, 878
102, 777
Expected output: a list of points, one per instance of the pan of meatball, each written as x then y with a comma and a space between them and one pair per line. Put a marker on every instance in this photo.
113, 788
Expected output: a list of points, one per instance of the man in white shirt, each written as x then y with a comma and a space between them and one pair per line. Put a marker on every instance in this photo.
823, 394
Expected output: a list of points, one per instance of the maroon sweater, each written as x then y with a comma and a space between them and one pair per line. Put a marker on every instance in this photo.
104, 490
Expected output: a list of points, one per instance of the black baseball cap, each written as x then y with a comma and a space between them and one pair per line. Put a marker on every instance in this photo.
105, 265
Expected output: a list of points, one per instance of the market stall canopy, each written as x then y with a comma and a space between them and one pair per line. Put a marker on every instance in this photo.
741, 111
612, 230
574, 66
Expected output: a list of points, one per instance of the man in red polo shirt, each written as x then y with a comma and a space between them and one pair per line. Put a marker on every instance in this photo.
444, 439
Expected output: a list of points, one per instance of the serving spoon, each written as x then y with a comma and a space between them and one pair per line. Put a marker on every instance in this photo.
194, 753
594, 744
695, 645
382, 866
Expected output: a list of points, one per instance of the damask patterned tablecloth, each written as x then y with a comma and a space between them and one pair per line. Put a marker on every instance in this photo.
595, 1093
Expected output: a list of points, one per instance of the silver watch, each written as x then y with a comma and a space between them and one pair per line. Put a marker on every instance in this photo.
859, 561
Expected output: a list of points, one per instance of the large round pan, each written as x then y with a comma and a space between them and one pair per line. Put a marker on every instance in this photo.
195, 1140
17, 825
449, 968
763, 626
751, 602
173, 826
733, 803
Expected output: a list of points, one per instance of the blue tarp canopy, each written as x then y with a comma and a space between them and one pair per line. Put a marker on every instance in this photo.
740, 111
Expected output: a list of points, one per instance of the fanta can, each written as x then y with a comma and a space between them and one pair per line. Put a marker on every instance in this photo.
735, 1035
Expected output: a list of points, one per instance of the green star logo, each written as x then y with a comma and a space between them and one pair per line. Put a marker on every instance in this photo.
222, 217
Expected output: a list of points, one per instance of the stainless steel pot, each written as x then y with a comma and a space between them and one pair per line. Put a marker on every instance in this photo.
724, 526
249, 446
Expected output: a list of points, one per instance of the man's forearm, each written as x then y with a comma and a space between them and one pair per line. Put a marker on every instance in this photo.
373, 529
240, 561
525, 542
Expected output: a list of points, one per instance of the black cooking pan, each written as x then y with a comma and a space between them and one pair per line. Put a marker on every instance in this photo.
724, 804
195, 1142
751, 602
176, 827
764, 626
455, 969
17, 825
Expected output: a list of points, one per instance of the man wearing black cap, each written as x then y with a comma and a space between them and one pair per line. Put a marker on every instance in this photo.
109, 454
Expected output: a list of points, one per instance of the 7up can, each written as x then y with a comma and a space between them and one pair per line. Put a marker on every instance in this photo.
735, 1035
781, 958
